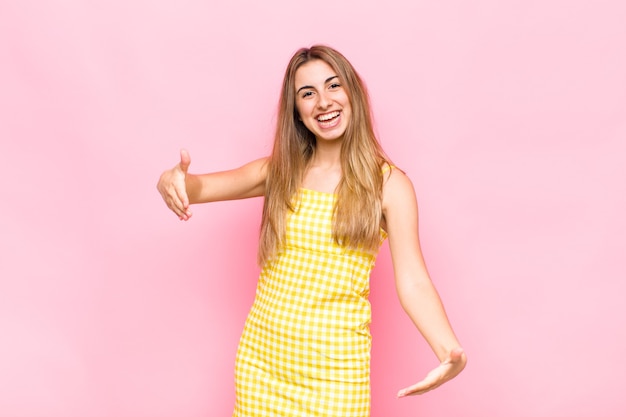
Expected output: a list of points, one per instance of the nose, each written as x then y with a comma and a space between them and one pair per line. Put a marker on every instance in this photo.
323, 101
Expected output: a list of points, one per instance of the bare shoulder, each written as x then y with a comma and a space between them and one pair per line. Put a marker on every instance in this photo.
397, 188
400, 214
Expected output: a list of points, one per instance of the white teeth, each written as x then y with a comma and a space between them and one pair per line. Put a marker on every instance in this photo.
325, 117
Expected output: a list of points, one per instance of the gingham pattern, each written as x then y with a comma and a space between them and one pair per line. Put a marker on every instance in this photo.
305, 348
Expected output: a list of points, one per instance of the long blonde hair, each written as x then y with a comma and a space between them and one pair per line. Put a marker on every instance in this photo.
358, 204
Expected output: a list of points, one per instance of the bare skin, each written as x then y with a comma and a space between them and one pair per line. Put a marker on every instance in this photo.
417, 294
180, 189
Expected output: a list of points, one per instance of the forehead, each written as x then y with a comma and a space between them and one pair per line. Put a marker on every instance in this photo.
313, 73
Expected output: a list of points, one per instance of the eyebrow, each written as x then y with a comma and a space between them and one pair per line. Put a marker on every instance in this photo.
310, 86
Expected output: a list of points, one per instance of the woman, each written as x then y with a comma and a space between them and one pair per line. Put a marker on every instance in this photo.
331, 197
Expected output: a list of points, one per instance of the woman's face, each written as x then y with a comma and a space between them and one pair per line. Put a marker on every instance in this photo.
321, 101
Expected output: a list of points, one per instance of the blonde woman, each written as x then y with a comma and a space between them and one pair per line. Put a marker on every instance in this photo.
331, 197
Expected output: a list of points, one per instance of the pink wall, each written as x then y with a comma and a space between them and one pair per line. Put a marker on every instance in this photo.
510, 117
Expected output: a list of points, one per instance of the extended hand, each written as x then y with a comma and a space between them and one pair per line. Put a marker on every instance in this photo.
172, 187
447, 370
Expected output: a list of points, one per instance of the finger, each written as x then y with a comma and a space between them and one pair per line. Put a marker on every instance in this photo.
171, 199
446, 370
175, 197
182, 198
186, 215
175, 205
178, 203
185, 160
425, 385
182, 214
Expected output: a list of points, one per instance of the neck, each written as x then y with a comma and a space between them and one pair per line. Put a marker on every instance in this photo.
327, 154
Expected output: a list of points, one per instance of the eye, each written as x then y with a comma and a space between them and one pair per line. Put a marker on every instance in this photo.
334, 86
306, 94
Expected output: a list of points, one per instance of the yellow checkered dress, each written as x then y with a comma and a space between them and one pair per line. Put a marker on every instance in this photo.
305, 347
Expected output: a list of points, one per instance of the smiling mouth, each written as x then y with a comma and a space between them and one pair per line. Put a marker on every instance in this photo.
328, 118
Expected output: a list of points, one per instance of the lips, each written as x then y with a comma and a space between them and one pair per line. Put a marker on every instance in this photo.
327, 116
328, 119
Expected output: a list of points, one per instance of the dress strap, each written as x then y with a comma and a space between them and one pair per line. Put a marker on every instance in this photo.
387, 168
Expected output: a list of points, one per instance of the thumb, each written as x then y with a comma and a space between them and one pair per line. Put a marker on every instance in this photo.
185, 160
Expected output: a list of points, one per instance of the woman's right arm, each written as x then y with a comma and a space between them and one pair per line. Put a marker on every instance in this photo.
179, 189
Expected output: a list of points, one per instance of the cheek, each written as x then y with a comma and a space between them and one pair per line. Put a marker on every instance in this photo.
346, 101
348, 107
302, 108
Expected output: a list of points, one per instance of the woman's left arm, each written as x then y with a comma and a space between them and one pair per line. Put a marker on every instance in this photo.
416, 292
